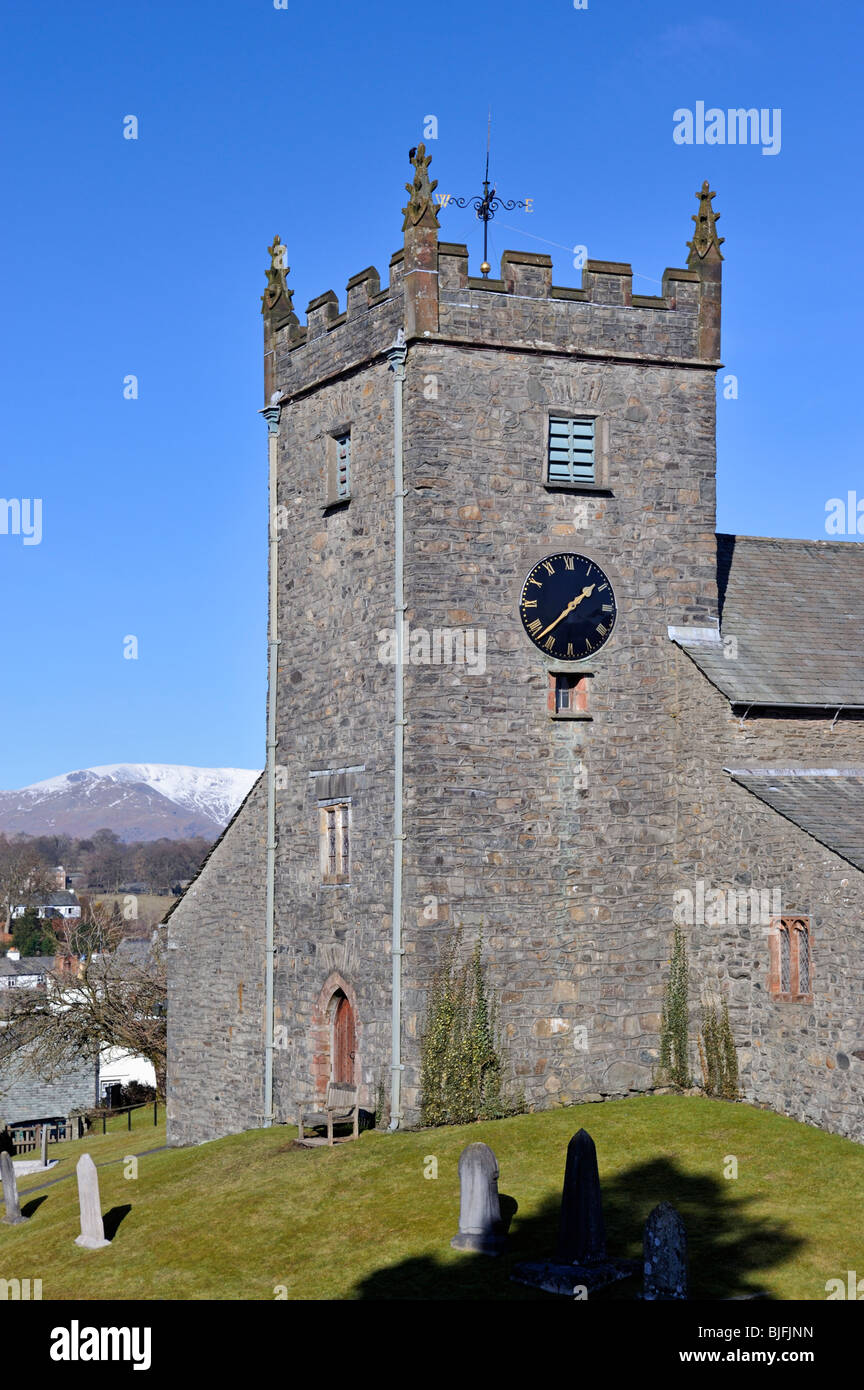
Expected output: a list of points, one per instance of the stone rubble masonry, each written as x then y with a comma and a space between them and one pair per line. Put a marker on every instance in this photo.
798, 1058
562, 841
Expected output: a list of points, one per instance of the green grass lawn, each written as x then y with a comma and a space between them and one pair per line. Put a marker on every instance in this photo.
237, 1218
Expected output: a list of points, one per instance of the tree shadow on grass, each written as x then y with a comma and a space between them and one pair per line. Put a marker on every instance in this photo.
731, 1248
112, 1219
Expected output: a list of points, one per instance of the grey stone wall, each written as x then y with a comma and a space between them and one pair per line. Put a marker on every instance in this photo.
216, 987
568, 883
796, 1057
335, 711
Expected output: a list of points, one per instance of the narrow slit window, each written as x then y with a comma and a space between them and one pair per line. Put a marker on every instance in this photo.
571, 450
802, 937
332, 856
785, 961
565, 693
334, 823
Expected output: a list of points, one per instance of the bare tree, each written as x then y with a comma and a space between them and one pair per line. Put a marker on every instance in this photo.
23, 876
101, 993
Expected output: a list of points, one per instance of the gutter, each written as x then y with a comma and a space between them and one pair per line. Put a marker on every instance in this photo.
396, 355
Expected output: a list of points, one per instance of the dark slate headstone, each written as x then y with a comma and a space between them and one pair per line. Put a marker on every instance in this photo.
480, 1226
581, 1233
665, 1255
581, 1264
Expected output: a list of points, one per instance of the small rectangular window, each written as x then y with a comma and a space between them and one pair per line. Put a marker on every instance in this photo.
571, 450
568, 695
334, 830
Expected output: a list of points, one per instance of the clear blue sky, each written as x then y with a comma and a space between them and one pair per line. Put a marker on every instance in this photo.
148, 257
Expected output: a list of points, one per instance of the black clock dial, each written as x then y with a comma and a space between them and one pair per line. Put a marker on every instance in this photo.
567, 607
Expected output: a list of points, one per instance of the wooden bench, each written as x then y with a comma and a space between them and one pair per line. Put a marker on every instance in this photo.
340, 1107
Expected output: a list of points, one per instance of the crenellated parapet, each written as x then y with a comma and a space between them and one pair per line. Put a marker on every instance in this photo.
431, 295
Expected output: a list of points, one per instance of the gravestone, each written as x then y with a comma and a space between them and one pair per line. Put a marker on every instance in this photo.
581, 1232
13, 1215
664, 1248
580, 1265
43, 1146
480, 1225
92, 1235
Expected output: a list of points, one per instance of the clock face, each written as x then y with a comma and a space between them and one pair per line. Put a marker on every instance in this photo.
567, 607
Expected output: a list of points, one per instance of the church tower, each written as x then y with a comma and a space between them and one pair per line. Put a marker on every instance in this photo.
492, 504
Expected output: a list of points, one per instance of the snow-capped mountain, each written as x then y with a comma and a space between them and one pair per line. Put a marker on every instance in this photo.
138, 801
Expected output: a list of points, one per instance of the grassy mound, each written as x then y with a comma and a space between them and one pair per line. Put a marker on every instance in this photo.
256, 1217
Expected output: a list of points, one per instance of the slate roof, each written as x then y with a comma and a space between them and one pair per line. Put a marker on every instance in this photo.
795, 609
828, 803
137, 950
57, 897
27, 965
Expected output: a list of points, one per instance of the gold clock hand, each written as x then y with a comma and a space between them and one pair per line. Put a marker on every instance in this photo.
574, 602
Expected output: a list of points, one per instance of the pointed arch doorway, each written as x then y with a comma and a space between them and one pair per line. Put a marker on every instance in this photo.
343, 1049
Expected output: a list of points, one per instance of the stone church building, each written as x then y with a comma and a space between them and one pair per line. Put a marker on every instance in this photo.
519, 685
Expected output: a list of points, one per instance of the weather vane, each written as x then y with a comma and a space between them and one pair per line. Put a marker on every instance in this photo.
487, 206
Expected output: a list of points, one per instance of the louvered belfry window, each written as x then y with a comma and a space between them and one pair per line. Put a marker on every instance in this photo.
571, 449
343, 466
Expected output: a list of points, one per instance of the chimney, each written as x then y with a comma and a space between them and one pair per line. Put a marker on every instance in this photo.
13, 954
60, 876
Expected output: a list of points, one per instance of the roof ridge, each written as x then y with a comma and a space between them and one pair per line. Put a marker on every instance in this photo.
788, 540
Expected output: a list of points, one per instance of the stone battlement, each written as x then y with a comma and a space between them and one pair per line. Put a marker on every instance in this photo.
432, 297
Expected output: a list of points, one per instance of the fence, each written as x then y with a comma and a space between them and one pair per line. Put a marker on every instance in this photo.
28, 1138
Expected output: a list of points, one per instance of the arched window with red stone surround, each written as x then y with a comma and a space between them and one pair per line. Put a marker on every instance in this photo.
790, 973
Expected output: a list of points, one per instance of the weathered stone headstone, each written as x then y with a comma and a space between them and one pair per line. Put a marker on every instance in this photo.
581, 1264
13, 1215
664, 1249
43, 1146
480, 1225
92, 1235
582, 1232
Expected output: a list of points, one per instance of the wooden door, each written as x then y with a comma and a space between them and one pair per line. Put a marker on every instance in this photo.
344, 1043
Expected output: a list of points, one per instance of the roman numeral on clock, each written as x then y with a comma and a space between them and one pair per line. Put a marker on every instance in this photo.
529, 603
568, 562
535, 627
548, 567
